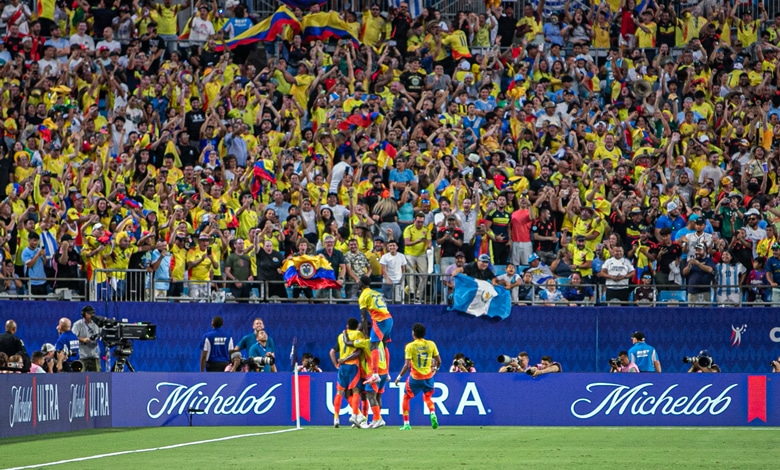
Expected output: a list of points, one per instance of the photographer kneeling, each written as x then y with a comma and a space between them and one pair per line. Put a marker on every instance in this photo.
622, 363
702, 363
460, 363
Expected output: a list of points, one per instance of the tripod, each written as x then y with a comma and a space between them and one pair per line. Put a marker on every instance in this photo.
122, 352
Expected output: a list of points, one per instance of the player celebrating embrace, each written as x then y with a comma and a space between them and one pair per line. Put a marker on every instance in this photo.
373, 303
422, 358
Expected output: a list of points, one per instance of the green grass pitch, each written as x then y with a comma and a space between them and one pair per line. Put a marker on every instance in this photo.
422, 447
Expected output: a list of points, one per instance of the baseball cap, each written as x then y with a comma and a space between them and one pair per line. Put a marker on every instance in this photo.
203, 236
638, 335
73, 214
460, 254
693, 218
776, 246
97, 226
533, 258
635, 210
700, 246
47, 348
485, 258
671, 206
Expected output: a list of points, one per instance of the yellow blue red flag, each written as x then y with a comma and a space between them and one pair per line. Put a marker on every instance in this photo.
309, 271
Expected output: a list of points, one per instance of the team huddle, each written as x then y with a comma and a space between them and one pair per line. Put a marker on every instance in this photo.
363, 363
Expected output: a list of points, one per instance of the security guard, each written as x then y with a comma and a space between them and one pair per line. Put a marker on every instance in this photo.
12, 345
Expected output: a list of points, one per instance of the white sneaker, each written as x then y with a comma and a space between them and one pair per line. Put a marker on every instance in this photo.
360, 419
365, 425
377, 424
353, 419
335, 421
372, 380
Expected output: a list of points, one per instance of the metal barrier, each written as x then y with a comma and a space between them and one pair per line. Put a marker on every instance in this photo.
138, 285
59, 288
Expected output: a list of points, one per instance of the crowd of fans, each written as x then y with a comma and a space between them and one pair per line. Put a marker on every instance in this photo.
642, 139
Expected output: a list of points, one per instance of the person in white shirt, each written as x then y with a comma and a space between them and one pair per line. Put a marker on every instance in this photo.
48, 64
82, 39
340, 213
393, 269
200, 27
617, 271
108, 41
16, 13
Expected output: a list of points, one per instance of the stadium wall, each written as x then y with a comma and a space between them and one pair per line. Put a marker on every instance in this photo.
581, 339
65, 402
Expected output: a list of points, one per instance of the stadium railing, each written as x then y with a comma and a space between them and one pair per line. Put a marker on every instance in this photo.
134, 285
54, 286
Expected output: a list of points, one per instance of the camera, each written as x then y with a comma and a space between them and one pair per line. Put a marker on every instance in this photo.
530, 371
701, 360
257, 363
614, 362
504, 359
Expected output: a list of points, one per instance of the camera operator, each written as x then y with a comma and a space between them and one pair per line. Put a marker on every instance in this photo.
546, 366
460, 363
68, 345
517, 364
12, 345
702, 363
52, 359
309, 363
622, 364
263, 348
88, 334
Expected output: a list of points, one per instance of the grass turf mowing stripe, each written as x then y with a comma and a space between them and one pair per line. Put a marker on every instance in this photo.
152, 449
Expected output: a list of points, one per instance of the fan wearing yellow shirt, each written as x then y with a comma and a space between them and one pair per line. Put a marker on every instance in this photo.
421, 358
300, 82
747, 27
458, 44
417, 239
646, 30
373, 27
200, 263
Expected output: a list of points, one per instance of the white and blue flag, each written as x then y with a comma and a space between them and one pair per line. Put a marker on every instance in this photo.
478, 298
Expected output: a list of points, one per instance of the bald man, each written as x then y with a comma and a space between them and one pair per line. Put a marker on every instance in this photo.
12, 345
68, 343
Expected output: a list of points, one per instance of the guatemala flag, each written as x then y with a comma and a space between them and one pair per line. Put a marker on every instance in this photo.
479, 298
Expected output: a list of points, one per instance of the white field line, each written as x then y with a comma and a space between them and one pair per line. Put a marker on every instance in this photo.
152, 449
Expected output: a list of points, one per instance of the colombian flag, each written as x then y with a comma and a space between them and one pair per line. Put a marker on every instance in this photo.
309, 271
358, 120
263, 170
266, 30
128, 201
326, 25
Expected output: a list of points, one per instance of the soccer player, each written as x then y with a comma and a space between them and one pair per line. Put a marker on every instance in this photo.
373, 303
373, 391
349, 376
422, 359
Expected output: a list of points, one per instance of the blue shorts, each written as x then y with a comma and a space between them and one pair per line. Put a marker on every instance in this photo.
414, 386
348, 377
380, 331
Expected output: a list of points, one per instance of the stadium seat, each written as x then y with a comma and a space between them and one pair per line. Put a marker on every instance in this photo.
673, 297
562, 281
499, 269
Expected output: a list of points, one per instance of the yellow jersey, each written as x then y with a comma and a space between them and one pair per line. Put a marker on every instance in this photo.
374, 302
345, 350
412, 233
420, 353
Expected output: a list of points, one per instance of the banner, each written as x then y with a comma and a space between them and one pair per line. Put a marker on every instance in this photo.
44, 403
582, 339
230, 399
477, 297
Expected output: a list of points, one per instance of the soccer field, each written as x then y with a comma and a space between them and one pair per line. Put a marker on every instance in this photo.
422, 447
